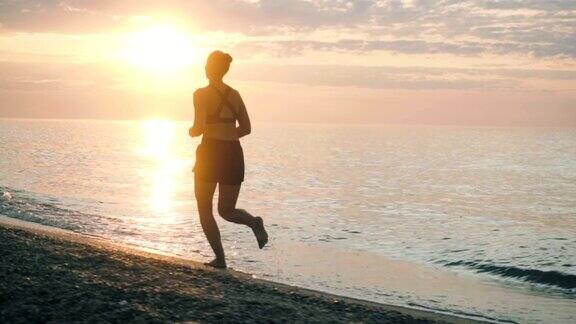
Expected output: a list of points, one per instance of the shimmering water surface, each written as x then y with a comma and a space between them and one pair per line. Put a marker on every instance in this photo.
473, 221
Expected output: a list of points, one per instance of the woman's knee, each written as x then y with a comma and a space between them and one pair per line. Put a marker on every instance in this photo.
225, 211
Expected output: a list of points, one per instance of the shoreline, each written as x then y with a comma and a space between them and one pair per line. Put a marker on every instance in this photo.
328, 307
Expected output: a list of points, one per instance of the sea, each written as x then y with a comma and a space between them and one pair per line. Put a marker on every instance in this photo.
478, 222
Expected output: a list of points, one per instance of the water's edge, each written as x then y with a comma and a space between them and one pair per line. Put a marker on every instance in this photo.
71, 236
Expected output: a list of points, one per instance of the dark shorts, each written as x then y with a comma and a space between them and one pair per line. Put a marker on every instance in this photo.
219, 161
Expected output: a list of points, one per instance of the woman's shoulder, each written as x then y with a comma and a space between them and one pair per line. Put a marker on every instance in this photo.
234, 93
200, 91
208, 87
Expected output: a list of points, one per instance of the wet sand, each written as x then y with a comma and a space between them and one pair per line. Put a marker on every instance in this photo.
48, 274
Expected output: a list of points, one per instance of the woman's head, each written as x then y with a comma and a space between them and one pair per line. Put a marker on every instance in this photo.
217, 65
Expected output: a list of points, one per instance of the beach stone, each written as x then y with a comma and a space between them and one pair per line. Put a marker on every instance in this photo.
70, 282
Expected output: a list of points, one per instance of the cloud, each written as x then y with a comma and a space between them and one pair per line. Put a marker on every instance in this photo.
407, 78
549, 5
35, 77
324, 93
462, 48
531, 27
52, 16
48, 77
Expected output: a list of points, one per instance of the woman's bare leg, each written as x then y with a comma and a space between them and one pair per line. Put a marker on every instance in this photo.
227, 198
204, 192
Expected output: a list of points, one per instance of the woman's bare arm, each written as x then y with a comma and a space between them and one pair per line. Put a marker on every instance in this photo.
244, 127
199, 118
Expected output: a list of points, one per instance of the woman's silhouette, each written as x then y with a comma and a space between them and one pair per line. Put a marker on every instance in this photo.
219, 157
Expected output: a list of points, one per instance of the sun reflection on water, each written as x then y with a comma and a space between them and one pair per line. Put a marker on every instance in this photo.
159, 138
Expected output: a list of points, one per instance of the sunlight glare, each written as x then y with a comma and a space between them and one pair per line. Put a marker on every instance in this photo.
159, 137
160, 48
158, 134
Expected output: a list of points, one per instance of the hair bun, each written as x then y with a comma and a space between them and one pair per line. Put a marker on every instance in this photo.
217, 64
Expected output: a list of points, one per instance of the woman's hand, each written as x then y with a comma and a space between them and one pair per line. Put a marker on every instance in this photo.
194, 131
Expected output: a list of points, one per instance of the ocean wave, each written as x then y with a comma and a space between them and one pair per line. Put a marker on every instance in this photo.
549, 278
45, 210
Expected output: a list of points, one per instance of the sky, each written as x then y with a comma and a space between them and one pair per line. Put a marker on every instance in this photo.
471, 62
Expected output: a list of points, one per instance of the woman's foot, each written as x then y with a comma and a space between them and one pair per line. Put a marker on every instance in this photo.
260, 232
216, 263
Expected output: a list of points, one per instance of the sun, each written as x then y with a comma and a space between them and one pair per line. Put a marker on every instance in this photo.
160, 48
